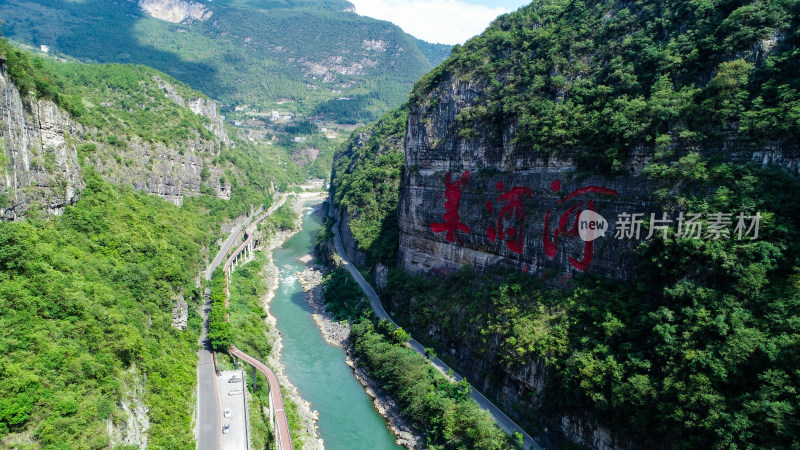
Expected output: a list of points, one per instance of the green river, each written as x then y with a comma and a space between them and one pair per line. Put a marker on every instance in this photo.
347, 418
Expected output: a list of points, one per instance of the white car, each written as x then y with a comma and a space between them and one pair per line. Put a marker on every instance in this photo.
235, 392
226, 428
226, 413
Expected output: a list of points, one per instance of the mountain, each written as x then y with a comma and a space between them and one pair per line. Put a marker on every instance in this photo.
313, 58
635, 339
132, 125
116, 182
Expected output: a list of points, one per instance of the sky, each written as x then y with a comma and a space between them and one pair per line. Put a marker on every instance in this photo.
439, 21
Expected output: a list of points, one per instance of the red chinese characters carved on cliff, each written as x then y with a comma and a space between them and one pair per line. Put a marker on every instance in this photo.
551, 245
511, 217
514, 210
452, 221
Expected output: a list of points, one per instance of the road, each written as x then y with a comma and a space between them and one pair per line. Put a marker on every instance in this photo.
284, 437
500, 417
209, 416
236, 438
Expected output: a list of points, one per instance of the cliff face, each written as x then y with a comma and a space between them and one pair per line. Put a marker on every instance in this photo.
175, 11
39, 148
489, 201
365, 181
443, 228
608, 109
519, 131
37, 162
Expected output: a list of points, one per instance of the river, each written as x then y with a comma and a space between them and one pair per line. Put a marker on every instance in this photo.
347, 417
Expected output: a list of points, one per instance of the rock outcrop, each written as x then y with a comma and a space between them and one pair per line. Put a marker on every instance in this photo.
198, 105
443, 228
176, 11
522, 129
39, 158
38, 164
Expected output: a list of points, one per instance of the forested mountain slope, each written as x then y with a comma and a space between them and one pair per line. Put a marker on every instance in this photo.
317, 55
639, 340
99, 280
131, 124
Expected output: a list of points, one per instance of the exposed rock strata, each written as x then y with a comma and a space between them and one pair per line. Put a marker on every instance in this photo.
434, 147
39, 165
175, 11
39, 150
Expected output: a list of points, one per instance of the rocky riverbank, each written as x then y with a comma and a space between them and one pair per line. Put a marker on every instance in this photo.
335, 333
338, 333
308, 417
386, 406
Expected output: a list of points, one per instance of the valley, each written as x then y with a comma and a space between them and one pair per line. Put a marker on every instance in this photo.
577, 229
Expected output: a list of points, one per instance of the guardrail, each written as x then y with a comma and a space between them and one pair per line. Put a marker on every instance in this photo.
283, 437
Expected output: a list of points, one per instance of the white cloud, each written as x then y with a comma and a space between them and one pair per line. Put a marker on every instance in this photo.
442, 21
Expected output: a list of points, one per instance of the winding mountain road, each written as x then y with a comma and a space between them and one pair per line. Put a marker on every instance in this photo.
284, 437
508, 425
209, 418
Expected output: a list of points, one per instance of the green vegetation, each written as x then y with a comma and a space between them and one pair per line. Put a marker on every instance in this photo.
86, 302
246, 309
127, 98
130, 98
602, 78
250, 334
284, 218
699, 350
258, 410
439, 407
88, 296
119, 103
30, 76
253, 169
220, 333
366, 182
344, 297
250, 52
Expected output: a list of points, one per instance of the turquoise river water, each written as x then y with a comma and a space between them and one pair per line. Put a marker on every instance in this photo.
347, 417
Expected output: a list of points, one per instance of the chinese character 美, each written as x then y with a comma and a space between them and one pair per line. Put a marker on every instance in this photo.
740, 225
452, 221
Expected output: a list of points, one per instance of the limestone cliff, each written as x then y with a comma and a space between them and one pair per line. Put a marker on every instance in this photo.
176, 11
517, 133
364, 189
39, 149
38, 164
564, 107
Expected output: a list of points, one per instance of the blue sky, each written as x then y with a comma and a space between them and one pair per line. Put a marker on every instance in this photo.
441, 21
